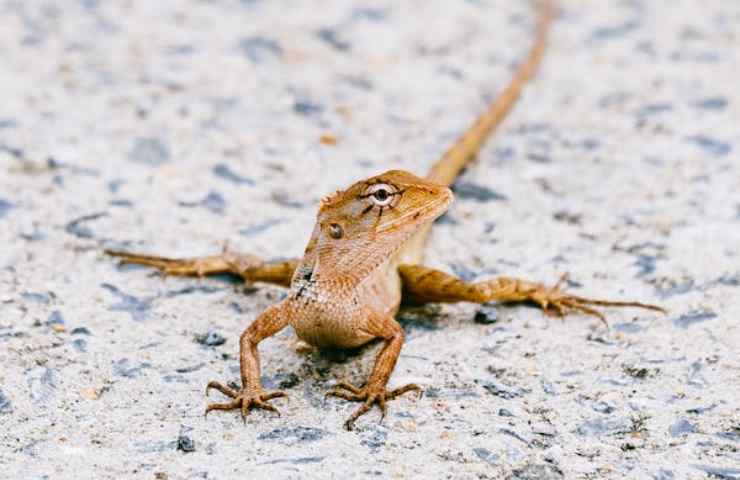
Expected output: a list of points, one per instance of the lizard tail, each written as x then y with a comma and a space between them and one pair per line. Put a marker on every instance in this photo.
448, 167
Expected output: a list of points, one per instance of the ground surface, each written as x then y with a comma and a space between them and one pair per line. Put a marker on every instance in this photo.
170, 127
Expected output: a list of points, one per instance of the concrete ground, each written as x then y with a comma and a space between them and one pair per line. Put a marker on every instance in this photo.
170, 127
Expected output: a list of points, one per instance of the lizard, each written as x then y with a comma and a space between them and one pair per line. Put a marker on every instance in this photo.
363, 258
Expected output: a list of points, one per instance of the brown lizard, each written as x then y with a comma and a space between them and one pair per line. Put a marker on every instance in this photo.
363, 256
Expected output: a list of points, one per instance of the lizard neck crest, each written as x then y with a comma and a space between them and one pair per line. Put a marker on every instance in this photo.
359, 228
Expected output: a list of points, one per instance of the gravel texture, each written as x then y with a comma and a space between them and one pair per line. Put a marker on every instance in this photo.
172, 126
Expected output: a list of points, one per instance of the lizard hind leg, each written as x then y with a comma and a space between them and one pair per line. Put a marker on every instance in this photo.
423, 284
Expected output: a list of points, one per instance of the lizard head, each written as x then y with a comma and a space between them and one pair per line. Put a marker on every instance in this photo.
392, 202
369, 221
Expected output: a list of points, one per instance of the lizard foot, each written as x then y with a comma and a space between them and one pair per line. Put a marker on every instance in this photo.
243, 400
369, 395
554, 300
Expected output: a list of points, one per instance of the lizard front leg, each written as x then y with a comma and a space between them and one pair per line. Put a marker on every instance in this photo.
251, 394
374, 390
247, 266
424, 284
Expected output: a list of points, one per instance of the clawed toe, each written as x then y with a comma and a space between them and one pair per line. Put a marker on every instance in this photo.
353, 394
565, 304
369, 396
223, 406
342, 394
554, 301
348, 386
221, 388
243, 400
275, 394
406, 388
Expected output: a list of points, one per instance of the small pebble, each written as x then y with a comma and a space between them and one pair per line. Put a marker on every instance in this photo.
185, 442
210, 339
486, 314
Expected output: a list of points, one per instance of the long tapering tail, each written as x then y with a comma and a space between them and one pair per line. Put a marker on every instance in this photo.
448, 167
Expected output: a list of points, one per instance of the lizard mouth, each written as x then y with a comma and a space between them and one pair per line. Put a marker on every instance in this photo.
426, 212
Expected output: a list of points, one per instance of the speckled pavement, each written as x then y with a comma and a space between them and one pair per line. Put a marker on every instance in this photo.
170, 127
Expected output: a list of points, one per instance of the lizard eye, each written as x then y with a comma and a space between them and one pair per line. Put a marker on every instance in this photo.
335, 231
381, 194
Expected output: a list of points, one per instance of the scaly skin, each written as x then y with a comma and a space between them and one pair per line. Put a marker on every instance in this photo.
362, 257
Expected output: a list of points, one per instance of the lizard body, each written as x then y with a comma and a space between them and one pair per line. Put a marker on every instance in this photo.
363, 258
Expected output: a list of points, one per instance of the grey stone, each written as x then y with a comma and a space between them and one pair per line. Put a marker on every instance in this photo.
149, 151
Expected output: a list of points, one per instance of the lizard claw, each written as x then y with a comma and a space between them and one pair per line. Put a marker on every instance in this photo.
554, 301
369, 395
243, 400
340, 386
